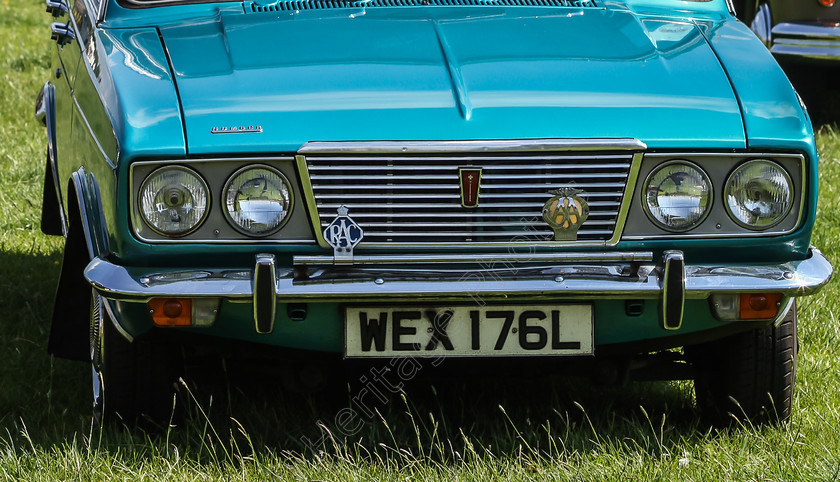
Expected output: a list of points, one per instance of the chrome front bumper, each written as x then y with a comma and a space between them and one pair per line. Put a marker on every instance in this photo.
809, 40
618, 275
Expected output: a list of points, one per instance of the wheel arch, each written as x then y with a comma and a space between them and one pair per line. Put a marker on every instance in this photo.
53, 217
85, 239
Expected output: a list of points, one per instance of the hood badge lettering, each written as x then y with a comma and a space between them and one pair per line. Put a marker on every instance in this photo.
236, 130
565, 212
470, 180
343, 234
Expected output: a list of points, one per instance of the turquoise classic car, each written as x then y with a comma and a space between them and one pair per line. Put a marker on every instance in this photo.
625, 187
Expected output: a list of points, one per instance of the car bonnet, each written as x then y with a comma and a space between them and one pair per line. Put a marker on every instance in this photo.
448, 73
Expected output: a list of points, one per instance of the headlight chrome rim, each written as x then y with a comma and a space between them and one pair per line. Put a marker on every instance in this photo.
709, 203
226, 211
205, 207
728, 187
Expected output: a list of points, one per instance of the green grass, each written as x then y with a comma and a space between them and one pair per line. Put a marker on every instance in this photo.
536, 429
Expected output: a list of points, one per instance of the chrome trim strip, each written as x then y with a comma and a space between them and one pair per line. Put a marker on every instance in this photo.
309, 198
461, 157
331, 206
762, 24
787, 304
115, 320
627, 198
811, 40
524, 196
483, 224
811, 50
793, 278
481, 259
808, 30
506, 234
481, 146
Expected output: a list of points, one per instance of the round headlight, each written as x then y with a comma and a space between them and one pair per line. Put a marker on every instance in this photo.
173, 200
758, 194
677, 196
258, 200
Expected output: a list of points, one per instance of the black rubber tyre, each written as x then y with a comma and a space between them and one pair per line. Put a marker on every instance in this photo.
747, 377
133, 382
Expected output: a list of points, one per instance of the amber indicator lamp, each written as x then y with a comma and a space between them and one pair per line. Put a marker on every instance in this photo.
171, 311
759, 306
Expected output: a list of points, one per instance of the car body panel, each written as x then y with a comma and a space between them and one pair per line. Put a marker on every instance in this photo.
435, 74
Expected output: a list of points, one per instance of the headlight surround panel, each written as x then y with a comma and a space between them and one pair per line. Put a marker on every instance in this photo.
216, 226
718, 221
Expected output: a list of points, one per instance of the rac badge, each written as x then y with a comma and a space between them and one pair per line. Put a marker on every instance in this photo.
565, 212
343, 234
470, 178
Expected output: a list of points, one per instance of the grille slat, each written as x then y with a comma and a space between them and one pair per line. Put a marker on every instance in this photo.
295, 5
447, 192
467, 234
331, 208
416, 199
437, 160
487, 192
512, 215
561, 177
438, 168
474, 224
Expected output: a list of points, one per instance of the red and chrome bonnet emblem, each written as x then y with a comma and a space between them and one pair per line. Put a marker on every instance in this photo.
470, 184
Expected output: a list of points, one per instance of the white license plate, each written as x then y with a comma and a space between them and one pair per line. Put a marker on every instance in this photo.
468, 331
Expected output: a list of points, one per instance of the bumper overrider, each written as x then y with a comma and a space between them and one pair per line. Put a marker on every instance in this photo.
465, 279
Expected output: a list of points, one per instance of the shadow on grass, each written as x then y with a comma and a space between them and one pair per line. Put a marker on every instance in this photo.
445, 420
45, 403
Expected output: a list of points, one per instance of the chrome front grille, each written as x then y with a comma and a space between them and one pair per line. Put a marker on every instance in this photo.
414, 198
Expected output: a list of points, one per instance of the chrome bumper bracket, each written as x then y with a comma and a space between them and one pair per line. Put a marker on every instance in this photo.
265, 297
673, 290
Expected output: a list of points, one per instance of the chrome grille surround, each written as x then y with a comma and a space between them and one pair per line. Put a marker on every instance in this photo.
406, 194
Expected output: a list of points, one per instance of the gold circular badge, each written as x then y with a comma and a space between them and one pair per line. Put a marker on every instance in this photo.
565, 212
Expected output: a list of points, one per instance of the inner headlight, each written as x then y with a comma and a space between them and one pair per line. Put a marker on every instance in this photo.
258, 200
173, 200
758, 194
677, 196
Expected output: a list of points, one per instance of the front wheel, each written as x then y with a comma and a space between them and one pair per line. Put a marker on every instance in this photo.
134, 381
749, 376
